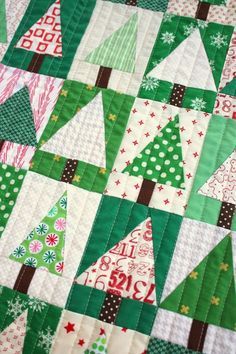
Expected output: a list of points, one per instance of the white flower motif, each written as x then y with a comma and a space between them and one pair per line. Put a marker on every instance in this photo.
168, 37
36, 304
168, 17
202, 24
15, 307
45, 339
198, 104
189, 29
218, 40
149, 83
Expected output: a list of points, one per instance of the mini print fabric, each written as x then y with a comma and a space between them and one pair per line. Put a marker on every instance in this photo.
117, 176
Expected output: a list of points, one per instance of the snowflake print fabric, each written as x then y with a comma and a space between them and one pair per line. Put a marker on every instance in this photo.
43, 247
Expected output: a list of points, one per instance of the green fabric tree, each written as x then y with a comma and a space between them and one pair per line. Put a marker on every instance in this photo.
43, 247
208, 293
119, 50
230, 88
17, 122
161, 160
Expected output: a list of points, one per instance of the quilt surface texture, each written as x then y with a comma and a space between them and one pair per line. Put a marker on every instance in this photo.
117, 176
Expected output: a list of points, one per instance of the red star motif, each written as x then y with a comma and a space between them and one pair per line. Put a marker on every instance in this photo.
194, 121
70, 327
152, 115
164, 107
117, 182
129, 130
147, 134
146, 103
159, 127
137, 186
141, 122
200, 134
166, 201
206, 114
124, 195
189, 141
127, 163
134, 110
182, 129
189, 175
124, 329
122, 150
81, 342
195, 154
102, 331
160, 188
145, 352
170, 119
179, 193
94, 270
135, 142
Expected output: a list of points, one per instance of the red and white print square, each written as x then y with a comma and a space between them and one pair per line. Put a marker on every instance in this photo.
56, 11
48, 37
57, 27
58, 50
39, 32
42, 47
26, 43
59, 39
49, 20
29, 33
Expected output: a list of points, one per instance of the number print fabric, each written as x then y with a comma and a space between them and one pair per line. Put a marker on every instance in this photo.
128, 268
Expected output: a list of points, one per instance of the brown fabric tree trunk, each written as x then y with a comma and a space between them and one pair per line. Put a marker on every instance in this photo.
197, 335
226, 215
1, 144
131, 2
69, 171
146, 192
202, 10
36, 63
110, 308
103, 77
24, 279
177, 95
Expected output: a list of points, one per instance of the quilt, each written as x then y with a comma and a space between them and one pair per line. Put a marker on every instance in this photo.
117, 176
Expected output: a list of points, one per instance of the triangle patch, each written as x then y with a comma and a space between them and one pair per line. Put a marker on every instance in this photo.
17, 121
119, 50
83, 137
230, 88
127, 269
45, 37
99, 346
222, 184
193, 66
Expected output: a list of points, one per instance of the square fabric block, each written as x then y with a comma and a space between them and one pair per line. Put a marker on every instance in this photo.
100, 60
214, 188
158, 156
26, 102
78, 150
32, 48
185, 66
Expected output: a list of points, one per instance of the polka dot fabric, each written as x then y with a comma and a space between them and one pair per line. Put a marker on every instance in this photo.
11, 179
161, 160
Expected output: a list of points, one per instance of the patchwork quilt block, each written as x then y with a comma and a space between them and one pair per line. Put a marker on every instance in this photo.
117, 177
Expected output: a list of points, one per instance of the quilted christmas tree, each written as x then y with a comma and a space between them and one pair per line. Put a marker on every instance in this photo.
117, 52
161, 160
43, 247
126, 270
12, 338
17, 121
44, 37
208, 294
83, 137
222, 186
